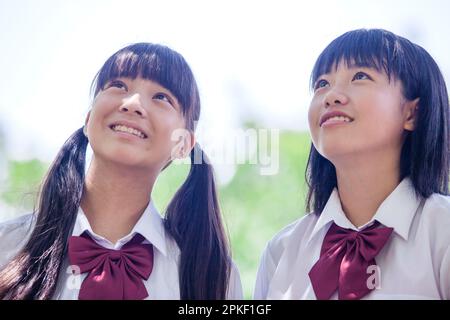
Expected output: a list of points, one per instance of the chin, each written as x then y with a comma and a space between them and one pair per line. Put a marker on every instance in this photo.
334, 150
129, 162
125, 157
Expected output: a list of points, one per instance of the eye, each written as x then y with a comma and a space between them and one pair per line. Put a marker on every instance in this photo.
162, 96
320, 84
361, 76
116, 84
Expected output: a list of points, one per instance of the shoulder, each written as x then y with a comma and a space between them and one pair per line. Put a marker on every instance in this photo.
436, 212
17, 227
435, 221
439, 203
285, 241
13, 235
234, 291
295, 232
173, 250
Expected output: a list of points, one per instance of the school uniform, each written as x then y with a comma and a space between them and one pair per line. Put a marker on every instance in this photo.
163, 282
414, 263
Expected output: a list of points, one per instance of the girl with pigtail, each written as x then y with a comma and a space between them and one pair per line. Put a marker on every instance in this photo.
98, 235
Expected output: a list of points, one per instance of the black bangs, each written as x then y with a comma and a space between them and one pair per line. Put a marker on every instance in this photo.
425, 154
153, 62
374, 48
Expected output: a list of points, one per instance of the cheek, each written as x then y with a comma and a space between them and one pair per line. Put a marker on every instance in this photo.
165, 139
101, 107
384, 116
313, 118
93, 123
168, 132
97, 124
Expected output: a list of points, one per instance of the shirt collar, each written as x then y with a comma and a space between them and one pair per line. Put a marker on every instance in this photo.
150, 225
396, 211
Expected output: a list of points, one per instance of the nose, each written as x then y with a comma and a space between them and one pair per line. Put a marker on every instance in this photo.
335, 97
133, 104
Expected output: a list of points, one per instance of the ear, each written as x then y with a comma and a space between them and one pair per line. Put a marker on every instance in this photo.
86, 123
184, 145
411, 109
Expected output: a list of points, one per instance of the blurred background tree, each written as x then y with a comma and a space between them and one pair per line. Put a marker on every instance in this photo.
254, 207
22, 184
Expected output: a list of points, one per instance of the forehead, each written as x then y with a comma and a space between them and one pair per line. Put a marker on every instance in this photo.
131, 65
140, 80
332, 64
352, 64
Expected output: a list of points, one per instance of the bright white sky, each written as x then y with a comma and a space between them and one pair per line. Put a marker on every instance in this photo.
252, 59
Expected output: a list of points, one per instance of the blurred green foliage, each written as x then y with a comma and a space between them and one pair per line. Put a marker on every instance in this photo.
255, 207
23, 181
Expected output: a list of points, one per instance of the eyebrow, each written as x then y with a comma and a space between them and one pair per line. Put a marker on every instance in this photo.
354, 65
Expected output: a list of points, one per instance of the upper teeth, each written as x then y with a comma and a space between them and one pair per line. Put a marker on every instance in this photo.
340, 118
123, 128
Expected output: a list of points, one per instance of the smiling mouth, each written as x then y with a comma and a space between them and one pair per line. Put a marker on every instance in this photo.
336, 119
125, 129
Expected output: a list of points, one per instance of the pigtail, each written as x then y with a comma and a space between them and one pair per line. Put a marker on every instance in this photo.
33, 273
193, 219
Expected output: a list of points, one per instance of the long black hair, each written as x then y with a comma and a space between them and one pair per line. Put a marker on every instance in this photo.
425, 152
193, 217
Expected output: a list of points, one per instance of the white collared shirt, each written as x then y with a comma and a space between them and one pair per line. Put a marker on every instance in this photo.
414, 264
163, 282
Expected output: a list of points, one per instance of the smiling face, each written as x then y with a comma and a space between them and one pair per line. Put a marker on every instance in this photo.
358, 110
132, 122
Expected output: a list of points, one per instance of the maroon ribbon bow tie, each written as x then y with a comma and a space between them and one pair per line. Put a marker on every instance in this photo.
113, 274
344, 261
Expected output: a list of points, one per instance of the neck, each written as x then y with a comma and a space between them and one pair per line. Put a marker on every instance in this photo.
364, 182
115, 196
